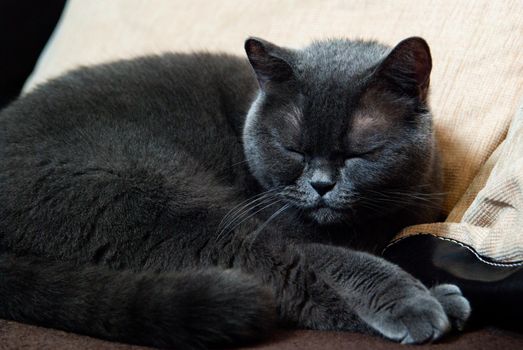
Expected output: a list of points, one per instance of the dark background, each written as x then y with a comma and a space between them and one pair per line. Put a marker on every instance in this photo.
25, 27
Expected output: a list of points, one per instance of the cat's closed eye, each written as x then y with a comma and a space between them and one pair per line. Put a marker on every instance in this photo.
364, 153
292, 151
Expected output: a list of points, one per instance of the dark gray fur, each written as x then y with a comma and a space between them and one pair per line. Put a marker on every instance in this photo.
138, 205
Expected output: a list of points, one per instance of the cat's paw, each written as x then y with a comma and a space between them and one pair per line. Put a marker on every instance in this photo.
416, 319
423, 317
454, 303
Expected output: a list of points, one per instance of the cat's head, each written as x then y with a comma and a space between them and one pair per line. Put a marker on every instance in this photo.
340, 126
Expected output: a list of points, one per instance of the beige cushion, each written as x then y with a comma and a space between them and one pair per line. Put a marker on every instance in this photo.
477, 48
492, 224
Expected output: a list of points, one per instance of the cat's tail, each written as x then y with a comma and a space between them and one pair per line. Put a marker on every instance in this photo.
188, 310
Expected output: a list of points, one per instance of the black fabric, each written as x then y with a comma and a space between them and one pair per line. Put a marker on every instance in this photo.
25, 26
495, 290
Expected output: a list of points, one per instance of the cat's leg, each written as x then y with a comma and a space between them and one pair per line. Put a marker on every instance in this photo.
303, 299
389, 299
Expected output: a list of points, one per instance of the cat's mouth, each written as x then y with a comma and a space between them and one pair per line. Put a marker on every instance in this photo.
324, 214
321, 211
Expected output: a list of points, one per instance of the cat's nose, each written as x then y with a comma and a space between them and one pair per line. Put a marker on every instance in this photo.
323, 187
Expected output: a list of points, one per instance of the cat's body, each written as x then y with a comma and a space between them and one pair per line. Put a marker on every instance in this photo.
127, 189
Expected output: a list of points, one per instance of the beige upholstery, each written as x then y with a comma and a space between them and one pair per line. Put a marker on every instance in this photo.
493, 223
477, 80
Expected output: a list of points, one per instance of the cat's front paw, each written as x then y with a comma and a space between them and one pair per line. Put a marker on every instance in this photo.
422, 317
415, 319
454, 303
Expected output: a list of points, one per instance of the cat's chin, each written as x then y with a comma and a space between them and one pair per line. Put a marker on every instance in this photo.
327, 216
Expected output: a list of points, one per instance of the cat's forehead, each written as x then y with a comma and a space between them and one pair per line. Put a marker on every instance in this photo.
334, 99
337, 61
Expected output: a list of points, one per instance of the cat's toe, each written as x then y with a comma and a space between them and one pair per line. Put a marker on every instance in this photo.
456, 306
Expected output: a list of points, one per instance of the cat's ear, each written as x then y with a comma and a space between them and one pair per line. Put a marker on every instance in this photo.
408, 67
268, 61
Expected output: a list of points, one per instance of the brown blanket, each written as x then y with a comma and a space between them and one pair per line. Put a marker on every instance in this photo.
15, 335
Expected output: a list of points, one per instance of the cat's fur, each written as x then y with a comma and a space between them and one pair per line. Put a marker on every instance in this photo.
170, 201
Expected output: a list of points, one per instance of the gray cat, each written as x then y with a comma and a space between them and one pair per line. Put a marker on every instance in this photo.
201, 200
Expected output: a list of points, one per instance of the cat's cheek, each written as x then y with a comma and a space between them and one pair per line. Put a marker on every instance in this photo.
368, 172
355, 170
285, 168
288, 173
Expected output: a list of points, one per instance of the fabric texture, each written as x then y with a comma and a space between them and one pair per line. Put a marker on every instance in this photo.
14, 336
492, 223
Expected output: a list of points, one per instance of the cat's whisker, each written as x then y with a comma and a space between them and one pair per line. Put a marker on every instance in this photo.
400, 197
238, 214
256, 198
238, 163
402, 202
245, 203
240, 206
226, 172
372, 207
413, 197
272, 217
245, 218
230, 167
416, 195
